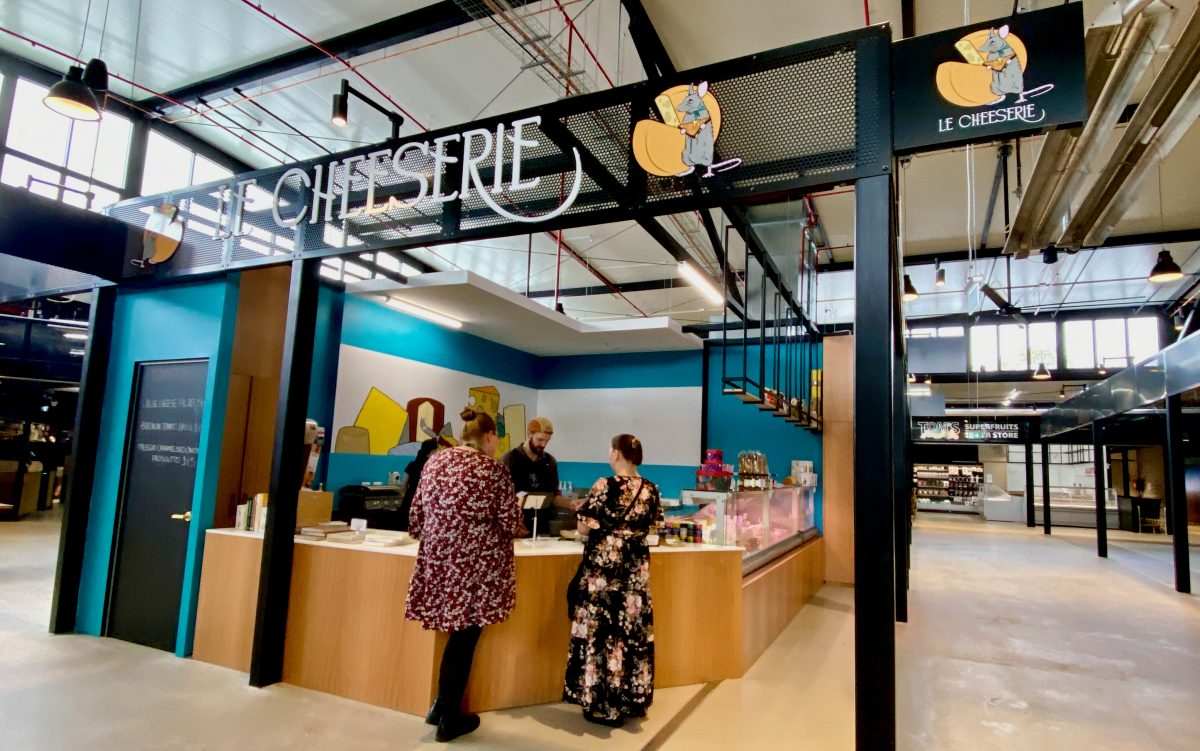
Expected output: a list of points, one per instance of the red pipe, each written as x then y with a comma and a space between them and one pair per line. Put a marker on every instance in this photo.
337, 57
867, 11
586, 46
158, 94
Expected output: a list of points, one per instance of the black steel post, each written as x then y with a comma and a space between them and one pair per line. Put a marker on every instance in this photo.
287, 474
1030, 516
1177, 493
77, 493
1098, 465
1045, 487
874, 554
902, 479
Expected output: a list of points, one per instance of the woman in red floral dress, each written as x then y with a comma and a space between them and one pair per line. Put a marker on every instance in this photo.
466, 514
610, 665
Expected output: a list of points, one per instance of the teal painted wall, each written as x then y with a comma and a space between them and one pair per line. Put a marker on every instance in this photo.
734, 426
176, 322
323, 386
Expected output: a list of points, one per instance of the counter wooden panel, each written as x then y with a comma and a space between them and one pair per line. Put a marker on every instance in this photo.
347, 634
771, 597
228, 600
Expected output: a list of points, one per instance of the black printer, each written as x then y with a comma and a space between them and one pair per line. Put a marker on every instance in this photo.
378, 504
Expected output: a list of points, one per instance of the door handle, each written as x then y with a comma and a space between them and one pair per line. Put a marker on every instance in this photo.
185, 516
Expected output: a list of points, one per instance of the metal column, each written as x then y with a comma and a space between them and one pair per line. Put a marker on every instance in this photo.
287, 474
77, 494
1177, 493
1045, 487
1030, 515
874, 555
901, 486
1098, 466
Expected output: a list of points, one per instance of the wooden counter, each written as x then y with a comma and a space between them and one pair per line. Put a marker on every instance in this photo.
347, 634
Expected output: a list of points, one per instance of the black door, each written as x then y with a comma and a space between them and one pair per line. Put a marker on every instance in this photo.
155, 502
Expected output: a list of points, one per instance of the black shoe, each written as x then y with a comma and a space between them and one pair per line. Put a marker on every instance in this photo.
452, 727
606, 722
435, 712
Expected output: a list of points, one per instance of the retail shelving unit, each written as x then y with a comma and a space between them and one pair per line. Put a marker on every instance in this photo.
948, 487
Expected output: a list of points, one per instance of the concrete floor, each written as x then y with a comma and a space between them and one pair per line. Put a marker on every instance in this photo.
1016, 642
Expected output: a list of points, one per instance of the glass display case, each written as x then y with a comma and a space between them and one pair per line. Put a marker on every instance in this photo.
766, 523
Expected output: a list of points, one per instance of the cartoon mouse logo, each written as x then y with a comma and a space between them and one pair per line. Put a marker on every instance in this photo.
685, 138
996, 61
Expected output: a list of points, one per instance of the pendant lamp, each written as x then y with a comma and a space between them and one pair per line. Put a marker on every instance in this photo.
940, 275
1177, 319
95, 75
1165, 269
910, 292
1041, 374
72, 97
1062, 392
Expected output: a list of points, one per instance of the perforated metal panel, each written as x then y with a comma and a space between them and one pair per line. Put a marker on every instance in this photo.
22, 279
800, 117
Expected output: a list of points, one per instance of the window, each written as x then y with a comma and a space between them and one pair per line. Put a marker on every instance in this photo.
1014, 348
1043, 345
1143, 338
1111, 346
208, 171
984, 353
951, 331
1080, 344
168, 166
76, 162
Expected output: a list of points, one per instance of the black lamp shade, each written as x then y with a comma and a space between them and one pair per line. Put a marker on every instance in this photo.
1041, 374
340, 107
1165, 269
95, 75
1050, 255
910, 292
1178, 321
71, 97
940, 278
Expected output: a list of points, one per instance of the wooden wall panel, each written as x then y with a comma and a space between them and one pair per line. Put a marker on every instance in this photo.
772, 597
697, 616
837, 451
233, 447
228, 600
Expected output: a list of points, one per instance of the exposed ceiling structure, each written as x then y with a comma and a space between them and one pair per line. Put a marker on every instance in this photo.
256, 80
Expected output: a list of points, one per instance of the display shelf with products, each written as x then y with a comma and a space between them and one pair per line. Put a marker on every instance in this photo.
948, 487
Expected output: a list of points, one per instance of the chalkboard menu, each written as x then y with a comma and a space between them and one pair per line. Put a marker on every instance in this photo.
156, 493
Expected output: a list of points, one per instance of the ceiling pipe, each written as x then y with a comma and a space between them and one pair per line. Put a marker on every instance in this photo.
1162, 118
1141, 42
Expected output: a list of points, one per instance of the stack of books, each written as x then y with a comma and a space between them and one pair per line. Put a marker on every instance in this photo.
251, 516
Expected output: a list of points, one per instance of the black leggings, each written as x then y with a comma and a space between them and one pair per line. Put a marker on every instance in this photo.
456, 667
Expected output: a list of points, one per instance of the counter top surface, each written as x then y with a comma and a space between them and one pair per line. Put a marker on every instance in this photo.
522, 548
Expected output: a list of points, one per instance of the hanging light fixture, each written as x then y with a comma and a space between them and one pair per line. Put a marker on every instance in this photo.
910, 292
1062, 392
928, 380
341, 106
95, 75
702, 283
1178, 321
1041, 374
72, 98
1165, 269
1050, 255
912, 377
939, 279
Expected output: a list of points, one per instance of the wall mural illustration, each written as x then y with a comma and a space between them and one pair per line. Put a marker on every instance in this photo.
386, 427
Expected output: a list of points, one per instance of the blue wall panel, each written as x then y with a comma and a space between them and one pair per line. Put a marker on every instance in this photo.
323, 386
177, 322
734, 426
638, 369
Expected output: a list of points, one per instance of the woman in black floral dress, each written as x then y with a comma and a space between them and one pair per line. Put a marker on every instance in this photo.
610, 666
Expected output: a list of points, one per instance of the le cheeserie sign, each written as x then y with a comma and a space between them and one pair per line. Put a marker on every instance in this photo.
998, 78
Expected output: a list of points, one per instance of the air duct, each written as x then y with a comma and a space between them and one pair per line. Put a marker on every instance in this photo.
1163, 117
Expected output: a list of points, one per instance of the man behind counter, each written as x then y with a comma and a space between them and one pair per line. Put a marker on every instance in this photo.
534, 470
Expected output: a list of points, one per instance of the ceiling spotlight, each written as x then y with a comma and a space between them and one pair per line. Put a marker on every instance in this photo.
939, 279
1041, 374
910, 292
72, 98
1050, 255
1103, 370
912, 377
928, 380
1062, 392
1165, 269
1178, 321
341, 109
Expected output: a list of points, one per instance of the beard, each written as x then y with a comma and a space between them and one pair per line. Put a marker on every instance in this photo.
538, 451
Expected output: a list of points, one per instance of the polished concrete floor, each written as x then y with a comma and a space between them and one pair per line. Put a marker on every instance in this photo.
1016, 641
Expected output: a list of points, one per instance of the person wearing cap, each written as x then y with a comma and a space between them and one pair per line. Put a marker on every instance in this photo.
534, 470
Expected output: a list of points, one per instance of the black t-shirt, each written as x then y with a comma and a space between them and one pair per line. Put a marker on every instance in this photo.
529, 475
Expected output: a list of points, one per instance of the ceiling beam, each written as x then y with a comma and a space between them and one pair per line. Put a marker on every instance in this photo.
1112, 243
405, 27
646, 40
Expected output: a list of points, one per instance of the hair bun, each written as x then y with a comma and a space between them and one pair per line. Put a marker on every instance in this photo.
467, 414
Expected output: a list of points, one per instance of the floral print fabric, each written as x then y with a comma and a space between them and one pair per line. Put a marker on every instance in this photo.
610, 666
465, 514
